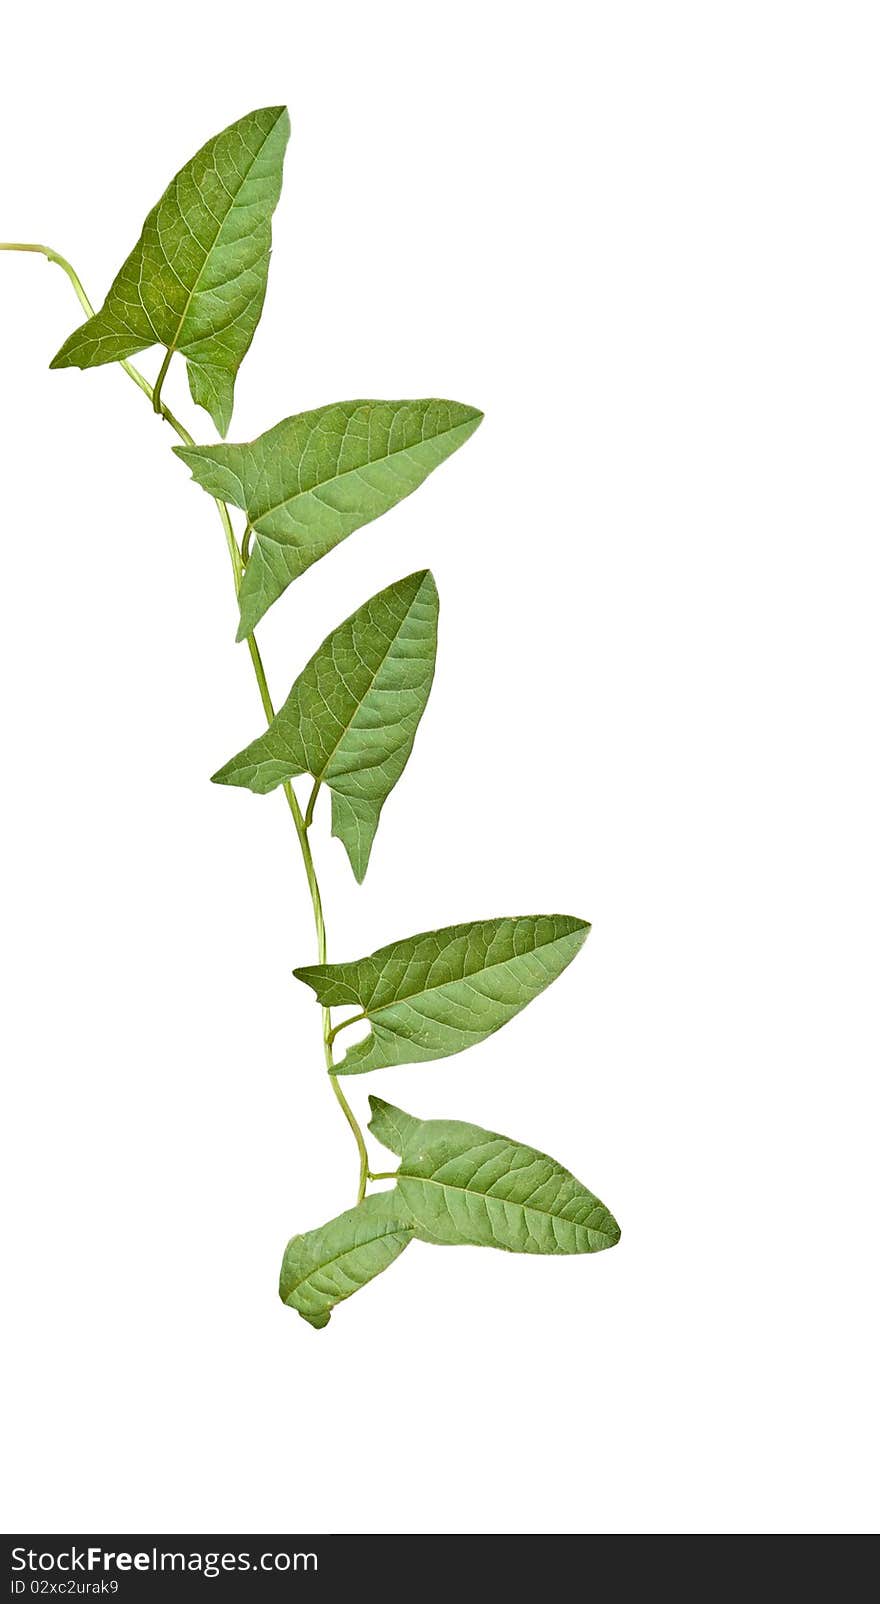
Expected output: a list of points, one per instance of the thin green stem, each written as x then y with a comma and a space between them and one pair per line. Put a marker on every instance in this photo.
312, 878
358, 1136
127, 367
262, 684
381, 1175
53, 256
238, 558
327, 1033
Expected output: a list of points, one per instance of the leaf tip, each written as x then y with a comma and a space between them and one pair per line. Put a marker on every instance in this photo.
609, 1229
316, 1321
471, 418
64, 357
424, 580
391, 1126
275, 112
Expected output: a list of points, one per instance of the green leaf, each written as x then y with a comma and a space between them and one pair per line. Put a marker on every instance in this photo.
461, 1184
324, 1266
435, 994
352, 715
392, 1127
196, 280
313, 479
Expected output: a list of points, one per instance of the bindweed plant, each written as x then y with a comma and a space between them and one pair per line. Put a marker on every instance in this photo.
194, 285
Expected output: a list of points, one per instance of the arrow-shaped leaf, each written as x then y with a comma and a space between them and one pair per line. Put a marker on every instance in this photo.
324, 1266
352, 715
313, 479
437, 993
196, 280
461, 1184
392, 1127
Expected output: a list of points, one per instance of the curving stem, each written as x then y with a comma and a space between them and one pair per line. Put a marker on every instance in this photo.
153, 394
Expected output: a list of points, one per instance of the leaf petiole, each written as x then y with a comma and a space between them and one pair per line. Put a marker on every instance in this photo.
157, 387
310, 810
354, 1020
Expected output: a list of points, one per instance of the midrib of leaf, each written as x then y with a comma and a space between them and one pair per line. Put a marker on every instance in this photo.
173, 346
458, 980
346, 473
337, 1258
527, 1208
348, 727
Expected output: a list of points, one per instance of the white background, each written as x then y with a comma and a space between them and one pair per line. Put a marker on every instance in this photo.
644, 238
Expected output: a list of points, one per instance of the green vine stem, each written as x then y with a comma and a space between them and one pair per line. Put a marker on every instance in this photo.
238, 558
